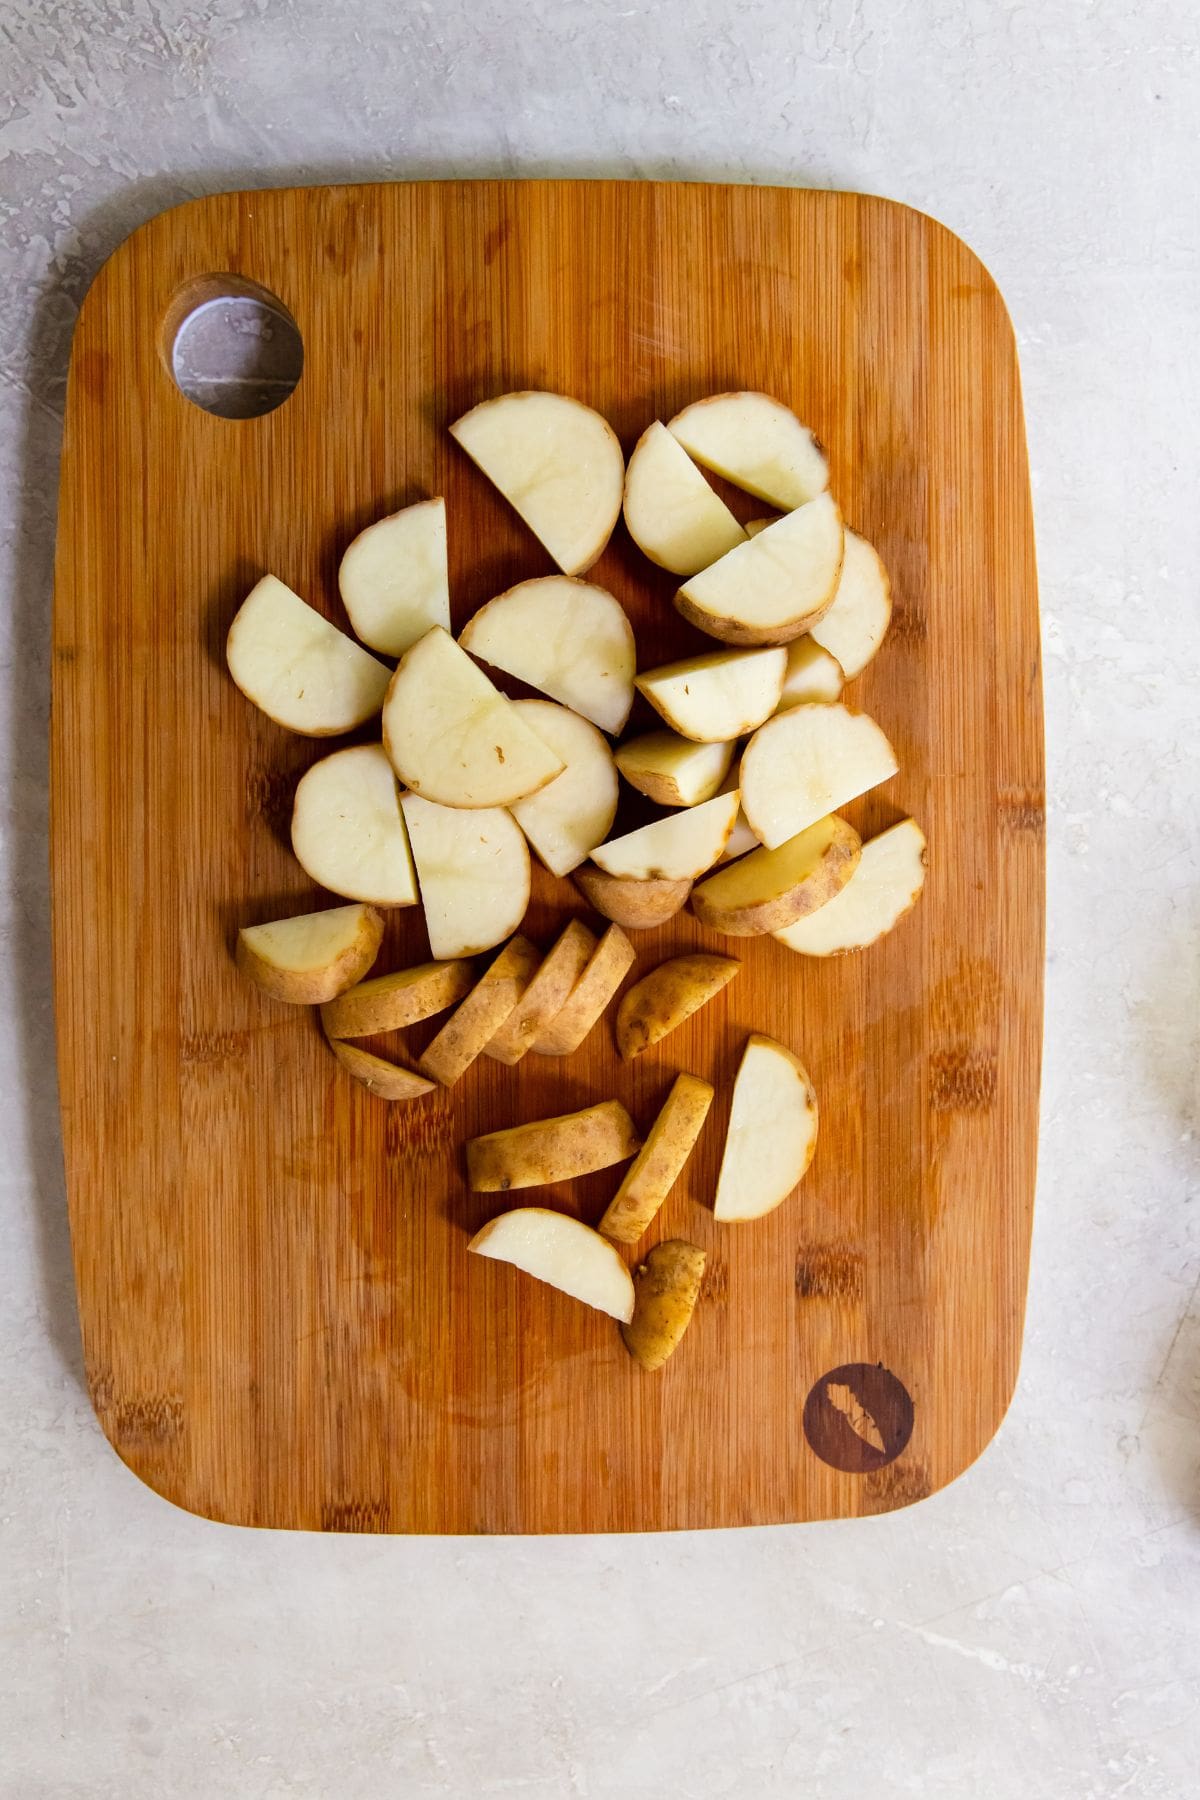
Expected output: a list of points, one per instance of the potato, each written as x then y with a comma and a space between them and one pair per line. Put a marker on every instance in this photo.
718, 696
805, 763
298, 668
812, 674
774, 587
672, 513
634, 905
393, 578
659, 1162
455, 739
666, 1288
568, 638
565, 820
741, 841
678, 847
558, 1149
312, 956
348, 832
757, 444
386, 1080
557, 463
607, 968
673, 770
470, 1026
563, 1253
772, 888
405, 997
772, 1132
474, 872
856, 624
662, 1000
885, 885
563, 965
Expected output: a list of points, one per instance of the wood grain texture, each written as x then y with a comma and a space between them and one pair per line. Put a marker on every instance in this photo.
282, 1326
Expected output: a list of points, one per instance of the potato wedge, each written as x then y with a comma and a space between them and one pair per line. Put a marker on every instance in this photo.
558, 1149
386, 1080
741, 841
565, 820
298, 668
774, 587
312, 956
454, 738
393, 578
755, 442
666, 1287
812, 674
886, 884
559, 1250
473, 870
635, 905
805, 763
856, 623
557, 463
772, 1132
405, 997
718, 696
663, 999
673, 770
677, 847
564, 963
348, 832
672, 513
568, 638
606, 969
473, 1023
659, 1163
772, 888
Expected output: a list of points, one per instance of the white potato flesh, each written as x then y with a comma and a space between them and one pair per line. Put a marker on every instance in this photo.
557, 463
758, 444
563, 1253
772, 1132
393, 579
885, 886
310, 941
774, 587
807, 762
812, 675
568, 638
719, 696
473, 868
455, 738
673, 515
565, 820
673, 770
677, 848
298, 668
348, 831
741, 839
857, 622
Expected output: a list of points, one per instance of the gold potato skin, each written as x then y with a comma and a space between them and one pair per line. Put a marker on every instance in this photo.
386, 1080
632, 904
666, 1288
390, 1002
314, 986
548, 1150
662, 1000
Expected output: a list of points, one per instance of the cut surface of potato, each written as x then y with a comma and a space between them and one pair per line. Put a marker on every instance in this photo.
805, 763
606, 969
565, 820
774, 587
885, 885
298, 668
313, 956
557, 463
812, 675
666, 1288
453, 737
659, 1163
673, 770
568, 638
741, 839
387, 1080
562, 1252
635, 905
758, 444
390, 1002
661, 1001
348, 831
557, 1149
561, 968
772, 1132
473, 871
718, 696
857, 622
475, 1022
673, 515
393, 578
675, 848
771, 888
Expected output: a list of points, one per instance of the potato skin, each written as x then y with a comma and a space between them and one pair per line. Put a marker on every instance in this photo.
634, 905
556, 1149
547, 992
776, 910
312, 987
386, 1080
390, 1002
662, 1000
753, 637
606, 969
480, 1015
666, 1288
659, 1163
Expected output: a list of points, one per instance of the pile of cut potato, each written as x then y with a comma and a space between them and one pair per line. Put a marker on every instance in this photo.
756, 752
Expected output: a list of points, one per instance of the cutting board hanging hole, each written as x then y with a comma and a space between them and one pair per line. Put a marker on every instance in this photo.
231, 346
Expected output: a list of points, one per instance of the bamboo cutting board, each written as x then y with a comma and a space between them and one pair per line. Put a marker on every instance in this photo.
282, 1325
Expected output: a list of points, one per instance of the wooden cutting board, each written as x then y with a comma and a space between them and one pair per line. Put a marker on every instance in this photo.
281, 1322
